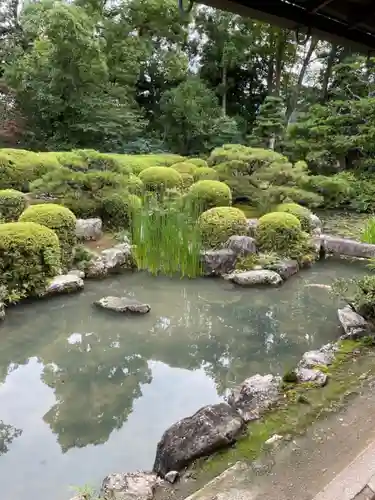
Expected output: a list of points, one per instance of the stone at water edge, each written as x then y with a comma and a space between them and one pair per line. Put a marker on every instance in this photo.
129, 486
311, 375
2, 311
285, 268
64, 283
89, 229
311, 359
241, 245
77, 272
218, 262
171, 476
96, 269
252, 225
123, 305
118, 257
315, 222
254, 278
354, 325
255, 395
343, 246
209, 429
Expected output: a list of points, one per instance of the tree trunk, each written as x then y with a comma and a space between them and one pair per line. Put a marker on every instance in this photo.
328, 72
224, 85
280, 49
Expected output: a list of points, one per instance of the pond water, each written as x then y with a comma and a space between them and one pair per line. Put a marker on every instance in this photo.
92, 391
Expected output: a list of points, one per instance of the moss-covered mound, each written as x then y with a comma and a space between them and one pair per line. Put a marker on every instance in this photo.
278, 232
160, 178
208, 194
29, 256
61, 220
303, 214
12, 204
218, 224
119, 208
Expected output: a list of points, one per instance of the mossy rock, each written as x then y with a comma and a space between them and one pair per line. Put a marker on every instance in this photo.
303, 214
208, 194
60, 220
160, 178
12, 204
217, 224
29, 256
278, 232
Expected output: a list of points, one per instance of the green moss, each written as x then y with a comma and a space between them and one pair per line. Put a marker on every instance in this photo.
12, 204
160, 178
60, 220
208, 194
218, 224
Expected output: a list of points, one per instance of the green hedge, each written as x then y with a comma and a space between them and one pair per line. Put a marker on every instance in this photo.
198, 162
208, 194
206, 173
118, 209
60, 220
303, 214
184, 167
160, 178
29, 256
278, 232
12, 204
218, 224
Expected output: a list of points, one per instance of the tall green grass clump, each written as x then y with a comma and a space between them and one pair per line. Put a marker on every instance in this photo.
167, 240
368, 235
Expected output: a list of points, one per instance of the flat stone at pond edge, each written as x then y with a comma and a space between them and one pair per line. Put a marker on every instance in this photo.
171, 476
285, 268
343, 246
354, 325
255, 395
64, 283
241, 245
254, 278
129, 486
310, 359
218, 262
117, 258
315, 222
311, 375
89, 229
209, 429
123, 305
77, 272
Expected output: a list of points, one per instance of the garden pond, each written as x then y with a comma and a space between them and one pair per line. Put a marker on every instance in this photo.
85, 392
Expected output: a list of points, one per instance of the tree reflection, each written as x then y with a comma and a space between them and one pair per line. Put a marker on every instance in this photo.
7, 434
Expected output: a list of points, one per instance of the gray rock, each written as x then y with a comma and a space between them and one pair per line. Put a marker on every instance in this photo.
2, 311
255, 395
311, 359
171, 476
77, 272
129, 486
209, 429
350, 248
311, 375
285, 268
255, 277
315, 222
64, 283
218, 262
89, 229
241, 245
96, 269
123, 305
252, 224
354, 325
118, 258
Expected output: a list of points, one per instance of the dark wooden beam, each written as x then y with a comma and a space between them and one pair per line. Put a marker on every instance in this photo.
362, 15
314, 5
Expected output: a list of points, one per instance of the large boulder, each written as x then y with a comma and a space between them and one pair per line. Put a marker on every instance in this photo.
241, 245
118, 258
311, 359
311, 375
315, 222
285, 268
96, 269
123, 305
255, 278
209, 429
255, 395
343, 246
89, 229
354, 325
129, 486
218, 262
64, 283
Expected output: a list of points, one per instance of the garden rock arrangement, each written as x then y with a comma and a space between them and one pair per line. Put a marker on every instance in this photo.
241, 245
255, 278
129, 486
354, 325
64, 283
218, 262
123, 305
89, 229
111, 261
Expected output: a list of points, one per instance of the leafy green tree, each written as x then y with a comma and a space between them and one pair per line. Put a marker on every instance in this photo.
269, 124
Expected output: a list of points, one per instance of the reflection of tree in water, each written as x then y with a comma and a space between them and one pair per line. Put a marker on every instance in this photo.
7, 434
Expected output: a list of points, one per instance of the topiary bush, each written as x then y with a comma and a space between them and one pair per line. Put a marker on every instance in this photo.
29, 256
208, 173
160, 178
118, 209
134, 185
187, 180
198, 162
184, 167
208, 194
303, 214
12, 204
217, 224
278, 232
60, 220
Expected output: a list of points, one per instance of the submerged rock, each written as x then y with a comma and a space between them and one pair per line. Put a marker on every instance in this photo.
209, 429
311, 375
218, 262
255, 395
354, 325
255, 277
241, 245
285, 268
89, 229
129, 486
123, 305
343, 246
64, 283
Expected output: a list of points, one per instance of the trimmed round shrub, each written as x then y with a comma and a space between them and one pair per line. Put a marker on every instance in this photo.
12, 204
134, 185
187, 180
29, 256
59, 219
208, 194
118, 209
278, 232
218, 224
303, 214
160, 178
184, 167
206, 173
198, 162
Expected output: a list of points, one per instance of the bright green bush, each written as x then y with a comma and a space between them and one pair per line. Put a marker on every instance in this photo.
93, 160
134, 185
217, 224
336, 190
118, 209
29, 256
208, 194
137, 163
12, 173
198, 162
60, 220
12, 204
187, 180
208, 173
303, 214
278, 232
184, 167
160, 178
